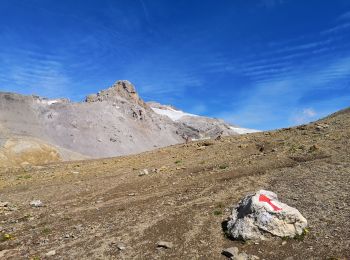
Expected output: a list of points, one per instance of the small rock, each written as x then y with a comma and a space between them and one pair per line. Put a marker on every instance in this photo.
201, 148
230, 252
242, 256
51, 253
4, 204
164, 244
36, 203
321, 126
314, 148
132, 194
25, 165
233, 253
143, 172
284, 242
121, 247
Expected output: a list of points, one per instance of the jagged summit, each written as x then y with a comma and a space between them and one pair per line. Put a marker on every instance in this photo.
121, 89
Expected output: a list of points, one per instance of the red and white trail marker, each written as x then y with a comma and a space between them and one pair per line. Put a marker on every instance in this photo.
263, 198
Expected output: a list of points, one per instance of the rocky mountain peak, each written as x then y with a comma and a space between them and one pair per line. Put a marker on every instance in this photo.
124, 86
120, 89
125, 89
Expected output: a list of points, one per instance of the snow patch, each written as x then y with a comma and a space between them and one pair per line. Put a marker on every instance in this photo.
171, 113
240, 130
48, 102
176, 115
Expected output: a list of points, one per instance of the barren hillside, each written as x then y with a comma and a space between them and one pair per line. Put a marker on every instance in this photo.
113, 209
113, 122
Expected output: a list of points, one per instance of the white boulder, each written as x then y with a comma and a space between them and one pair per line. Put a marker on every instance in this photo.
260, 214
36, 203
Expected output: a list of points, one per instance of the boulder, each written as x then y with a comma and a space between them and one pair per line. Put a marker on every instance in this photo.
164, 244
36, 203
261, 214
143, 172
51, 253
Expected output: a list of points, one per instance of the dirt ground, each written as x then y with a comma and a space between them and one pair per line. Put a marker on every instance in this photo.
92, 207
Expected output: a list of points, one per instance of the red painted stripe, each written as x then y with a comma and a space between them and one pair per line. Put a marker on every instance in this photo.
263, 198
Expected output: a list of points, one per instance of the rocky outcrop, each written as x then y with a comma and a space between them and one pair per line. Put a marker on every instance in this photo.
262, 214
120, 90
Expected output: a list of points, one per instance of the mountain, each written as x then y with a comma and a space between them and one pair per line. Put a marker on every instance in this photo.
113, 122
121, 208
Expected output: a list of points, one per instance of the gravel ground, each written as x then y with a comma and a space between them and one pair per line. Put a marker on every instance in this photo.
92, 209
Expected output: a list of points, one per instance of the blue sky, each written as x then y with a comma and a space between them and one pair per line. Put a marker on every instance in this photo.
261, 64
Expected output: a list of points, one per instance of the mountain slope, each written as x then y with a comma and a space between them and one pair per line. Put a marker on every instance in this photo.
93, 207
207, 127
113, 122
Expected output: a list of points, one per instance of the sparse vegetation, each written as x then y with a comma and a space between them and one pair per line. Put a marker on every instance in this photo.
25, 217
223, 166
46, 231
24, 177
5, 237
217, 212
302, 236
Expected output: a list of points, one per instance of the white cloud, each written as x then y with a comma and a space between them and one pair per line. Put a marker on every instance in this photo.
304, 116
271, 102
309, 112
344, 16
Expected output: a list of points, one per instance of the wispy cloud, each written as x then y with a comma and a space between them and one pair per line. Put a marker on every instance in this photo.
181, 57
275, 61
34, 73
271, 101
304, 116
344, 16
337, 28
